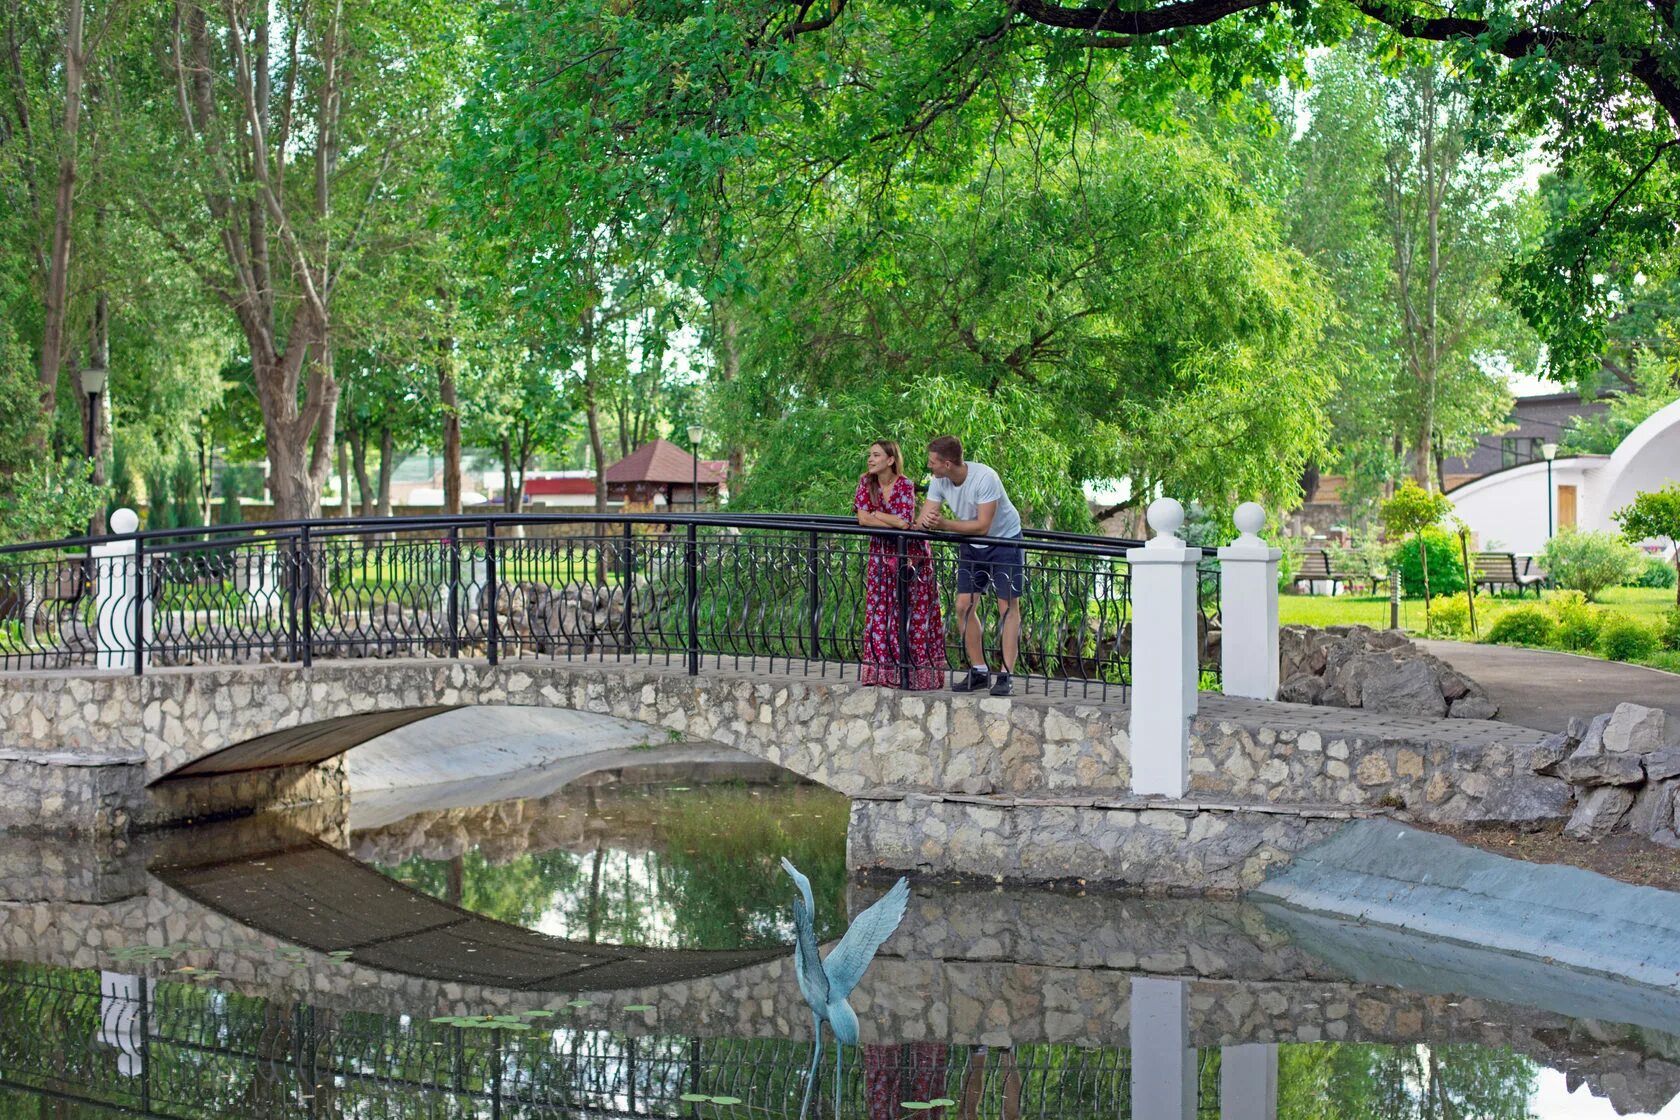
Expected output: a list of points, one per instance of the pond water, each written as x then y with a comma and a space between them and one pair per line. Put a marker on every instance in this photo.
619, 948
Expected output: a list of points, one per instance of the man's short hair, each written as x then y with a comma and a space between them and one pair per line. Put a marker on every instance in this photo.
948, 448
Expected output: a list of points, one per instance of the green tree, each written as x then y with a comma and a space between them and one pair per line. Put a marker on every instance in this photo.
1654, 515
1411, 511
1128, 313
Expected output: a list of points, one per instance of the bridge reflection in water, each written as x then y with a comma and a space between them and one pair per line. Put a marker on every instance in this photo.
180, 1049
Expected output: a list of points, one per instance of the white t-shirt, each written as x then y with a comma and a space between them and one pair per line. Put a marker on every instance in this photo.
982, 484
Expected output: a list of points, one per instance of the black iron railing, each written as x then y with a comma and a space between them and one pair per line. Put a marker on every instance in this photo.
788, 593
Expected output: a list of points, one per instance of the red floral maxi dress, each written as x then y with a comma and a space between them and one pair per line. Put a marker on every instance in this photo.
926, 628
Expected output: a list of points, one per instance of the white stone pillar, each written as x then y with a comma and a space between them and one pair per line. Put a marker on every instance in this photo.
1248, 609
1248, 1081
114, 623
1163, 655
120, 998
1164, 1072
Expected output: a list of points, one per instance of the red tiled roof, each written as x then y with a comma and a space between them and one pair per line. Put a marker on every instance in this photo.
660, 461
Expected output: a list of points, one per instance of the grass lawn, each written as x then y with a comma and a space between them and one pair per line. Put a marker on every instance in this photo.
1343, 610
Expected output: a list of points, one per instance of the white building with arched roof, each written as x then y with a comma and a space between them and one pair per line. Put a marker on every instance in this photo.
1508, 510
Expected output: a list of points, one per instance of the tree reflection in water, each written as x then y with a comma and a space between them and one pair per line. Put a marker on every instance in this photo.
674, 865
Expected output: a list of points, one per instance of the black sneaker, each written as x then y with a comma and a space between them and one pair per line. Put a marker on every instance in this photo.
976, 680
1002, 686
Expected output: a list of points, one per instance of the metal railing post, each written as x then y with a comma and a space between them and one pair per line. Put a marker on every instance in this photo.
293, 578
453, 542
306, 581
493, 627
691, 561
901, 548
813, 597
627, 572
139, 606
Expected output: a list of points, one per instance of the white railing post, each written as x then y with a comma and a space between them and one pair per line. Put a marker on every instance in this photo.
1164, 1070
1248, 609
1248, 1081
121, 998
1165, 672
116, 642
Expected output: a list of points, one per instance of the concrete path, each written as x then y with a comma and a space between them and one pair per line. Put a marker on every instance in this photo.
1539, 689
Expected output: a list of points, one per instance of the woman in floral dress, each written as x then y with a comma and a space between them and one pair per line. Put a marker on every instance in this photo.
886, 499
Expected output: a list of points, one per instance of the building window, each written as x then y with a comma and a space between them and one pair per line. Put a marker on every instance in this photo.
1517, 450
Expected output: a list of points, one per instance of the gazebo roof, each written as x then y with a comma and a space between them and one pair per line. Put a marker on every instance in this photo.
661, 461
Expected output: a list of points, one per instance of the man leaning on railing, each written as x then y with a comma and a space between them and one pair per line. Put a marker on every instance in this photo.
982, 508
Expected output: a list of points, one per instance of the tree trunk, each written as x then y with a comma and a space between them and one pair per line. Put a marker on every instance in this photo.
358, 456
387, 464
592, 411
522, 463
508, 504
451, 426
729, 365
58, 274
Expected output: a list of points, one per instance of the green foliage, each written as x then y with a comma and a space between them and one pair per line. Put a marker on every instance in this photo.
1579, 622
1589, 561
1449, 616
1627, 639
1526, 625
1446, 573
1656, 572
44, 502
1127, 313
1413, 509
1654, 514
1669, 631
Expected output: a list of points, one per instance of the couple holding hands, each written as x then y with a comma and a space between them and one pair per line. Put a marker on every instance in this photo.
886, 498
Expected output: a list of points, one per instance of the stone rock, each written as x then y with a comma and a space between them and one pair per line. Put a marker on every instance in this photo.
1602, 769
1577, 728
1454, 686
1544, 756
975, 786
1387, 639
1662, 765
1473, 707
1593, 737
1403, 688
1349, 679
1653, 809
1599, 811
1636, 729
1303, 688
1526, 802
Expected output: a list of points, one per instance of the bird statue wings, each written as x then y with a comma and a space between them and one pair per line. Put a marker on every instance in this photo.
825, 984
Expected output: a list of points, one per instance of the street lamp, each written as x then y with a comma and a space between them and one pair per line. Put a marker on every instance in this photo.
93, 384
695, 431
1549, 450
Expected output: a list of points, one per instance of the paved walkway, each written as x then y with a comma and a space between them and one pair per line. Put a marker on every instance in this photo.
1535, 688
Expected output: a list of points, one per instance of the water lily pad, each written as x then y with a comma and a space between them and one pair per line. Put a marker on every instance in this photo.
579, 1002
694, 1098
726, 1100
638, 1007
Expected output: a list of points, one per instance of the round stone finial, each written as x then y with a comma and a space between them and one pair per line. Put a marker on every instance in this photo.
1165, 516
124, 521
1250, 518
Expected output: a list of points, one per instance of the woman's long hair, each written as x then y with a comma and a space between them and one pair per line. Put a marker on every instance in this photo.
891, 448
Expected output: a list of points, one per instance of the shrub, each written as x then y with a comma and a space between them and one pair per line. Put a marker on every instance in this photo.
1579, 622
1626, 639
1446, 568
1449, 616
1670, 631
1589, 562
1654, 514
1656, 573
1531, 625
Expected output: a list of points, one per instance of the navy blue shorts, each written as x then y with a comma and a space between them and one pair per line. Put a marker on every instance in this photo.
999, 569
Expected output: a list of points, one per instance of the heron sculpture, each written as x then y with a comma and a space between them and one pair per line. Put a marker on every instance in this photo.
825, 984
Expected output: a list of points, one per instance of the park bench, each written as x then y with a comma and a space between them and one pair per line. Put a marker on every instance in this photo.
1315, 568
1495, 570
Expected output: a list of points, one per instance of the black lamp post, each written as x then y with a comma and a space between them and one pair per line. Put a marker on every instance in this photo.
695, 431
93, 384
1549, 450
